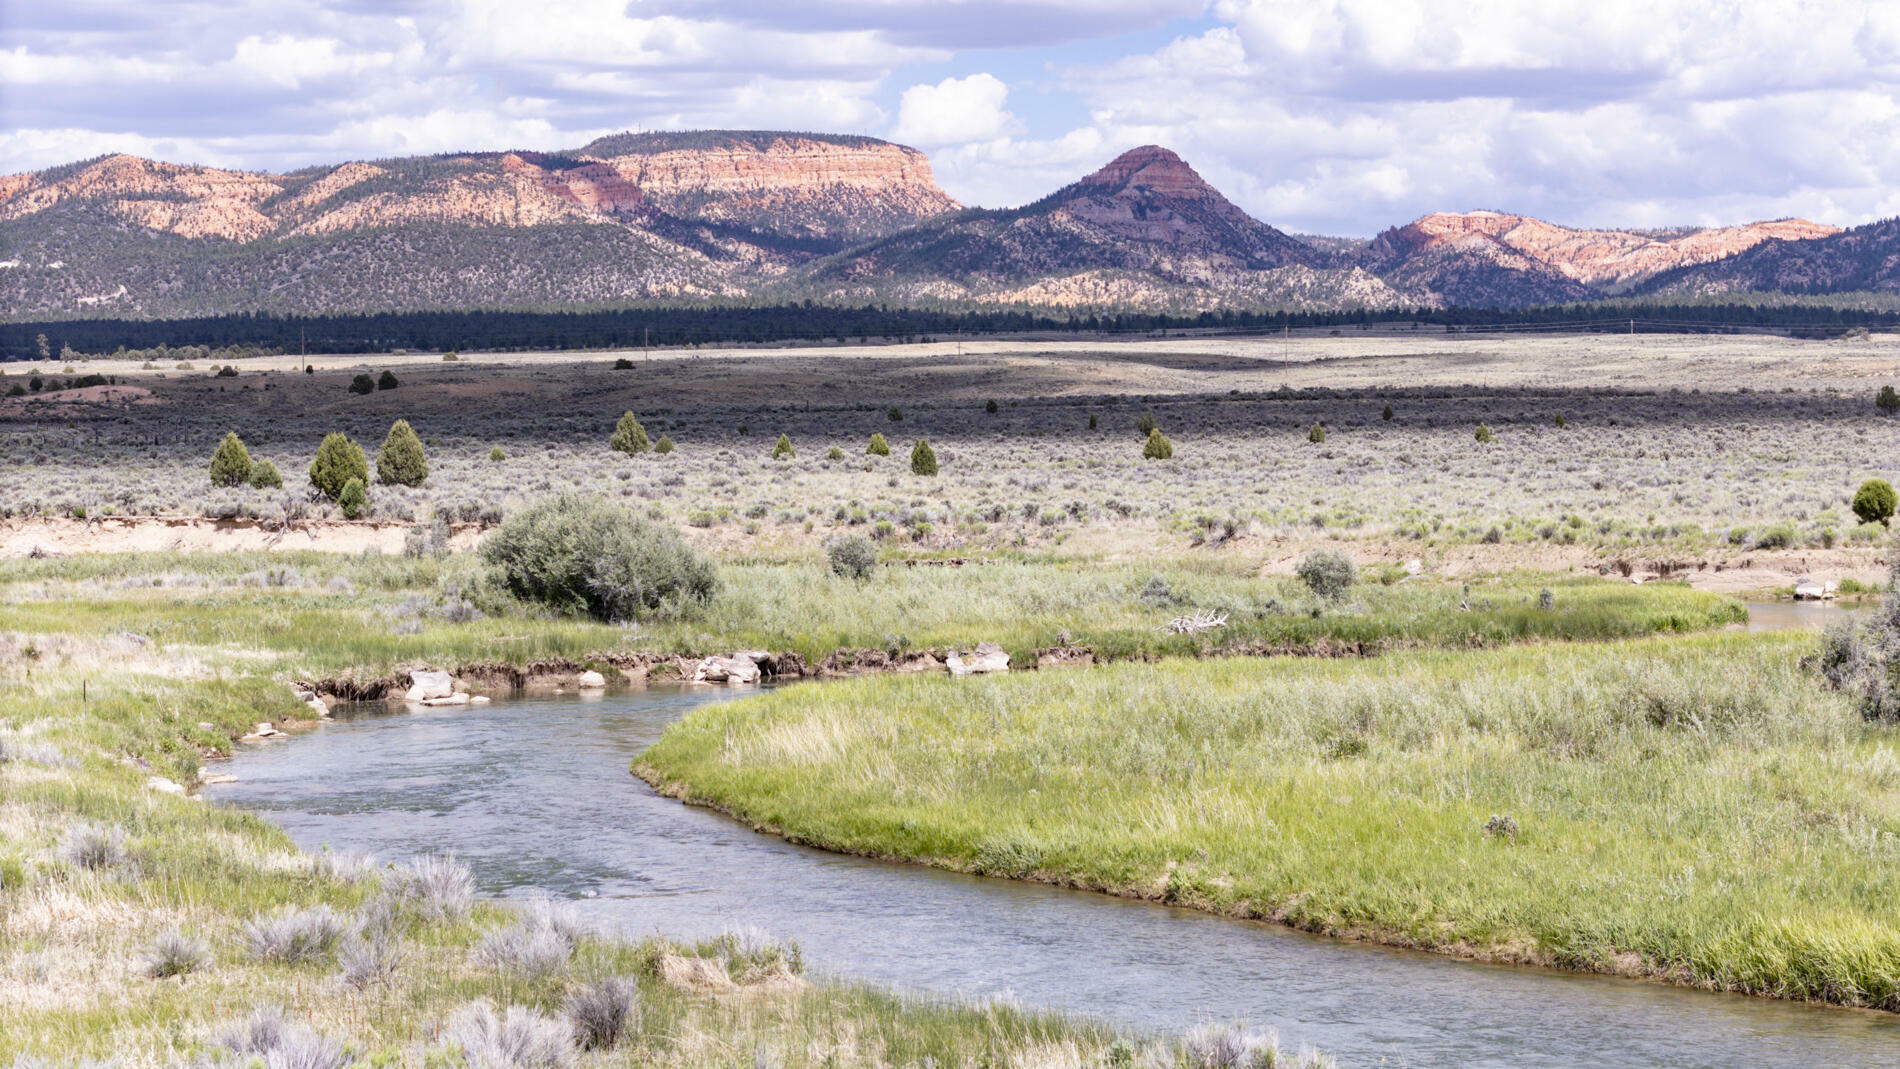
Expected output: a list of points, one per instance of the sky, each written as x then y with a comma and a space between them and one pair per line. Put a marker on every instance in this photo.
1321, 116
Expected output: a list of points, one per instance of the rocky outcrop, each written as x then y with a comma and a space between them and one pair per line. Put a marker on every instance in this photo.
1496, 258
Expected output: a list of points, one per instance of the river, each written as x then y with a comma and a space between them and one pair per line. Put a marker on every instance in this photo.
535, 795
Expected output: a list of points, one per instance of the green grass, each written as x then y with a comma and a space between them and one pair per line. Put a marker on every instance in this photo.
1696, 809
1023, 605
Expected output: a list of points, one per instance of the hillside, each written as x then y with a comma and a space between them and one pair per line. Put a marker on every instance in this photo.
1865, 258
629, 218
1495, 258
1144, 230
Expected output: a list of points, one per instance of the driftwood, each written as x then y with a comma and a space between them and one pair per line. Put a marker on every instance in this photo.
1206, 620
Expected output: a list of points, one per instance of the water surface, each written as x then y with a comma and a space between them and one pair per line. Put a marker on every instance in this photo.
535, 794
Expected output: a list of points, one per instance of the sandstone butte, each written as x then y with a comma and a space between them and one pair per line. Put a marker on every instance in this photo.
790, 174
1593, 257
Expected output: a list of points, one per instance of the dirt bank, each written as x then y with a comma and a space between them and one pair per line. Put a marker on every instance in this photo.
188, 534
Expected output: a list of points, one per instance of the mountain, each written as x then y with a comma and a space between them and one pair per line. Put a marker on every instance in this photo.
1145, 230
628, 217
1865, 258
1496, 258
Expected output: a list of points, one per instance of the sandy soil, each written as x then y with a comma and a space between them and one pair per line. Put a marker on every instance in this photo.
22, 537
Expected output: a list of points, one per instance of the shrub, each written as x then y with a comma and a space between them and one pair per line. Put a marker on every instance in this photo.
354, 499
362, 384
174, 953
834, 453
231, 463
368, 959
265, 476
1560, 421
588, 556
267, 1039
1092, 421
228, 371
783, 450
1874, 502
623, 364
94, 846
1157, 447
1887, 400
602, 1011
517, 1039
387, 381
851, 556
878, 447
401, 461
990, 405
497, 455
629, 437
1329, 575
922, 460
1316, 435
664, 445
1146, 423
895, 414
436, 884
450, 357
1386, 414
537, 946
292, 935
1483, 434
338, 461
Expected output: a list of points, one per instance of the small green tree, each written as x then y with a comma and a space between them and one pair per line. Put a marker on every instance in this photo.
895, 414
834, 453
496, 454
1316, 435
1484, 435
629, 437
586, 555
1387, 414
362, 384
401, 461
990, 406
1887, 400
851, 557
1146, 422
782, 450
1560, 421
1329, 575
1091, 421
922, 460
231, 463
354, 499
1874, 502
338, 461
664, 445
878, 447
387, 381
265, 476
1157, 447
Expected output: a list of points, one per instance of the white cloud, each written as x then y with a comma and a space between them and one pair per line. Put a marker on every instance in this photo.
954, 111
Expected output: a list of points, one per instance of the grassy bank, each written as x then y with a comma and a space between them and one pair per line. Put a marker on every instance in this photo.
376, 613
150, 929
1693, 809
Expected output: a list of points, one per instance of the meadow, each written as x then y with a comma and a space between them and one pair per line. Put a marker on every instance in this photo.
1695, 809
1764, 454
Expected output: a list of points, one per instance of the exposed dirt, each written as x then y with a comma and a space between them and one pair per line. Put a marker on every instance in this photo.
61, 537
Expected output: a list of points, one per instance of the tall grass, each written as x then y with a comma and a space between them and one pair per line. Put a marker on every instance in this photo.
1697, 809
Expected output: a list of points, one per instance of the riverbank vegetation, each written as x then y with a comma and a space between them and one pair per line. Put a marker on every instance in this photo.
140, 926
376, 613
1696, 809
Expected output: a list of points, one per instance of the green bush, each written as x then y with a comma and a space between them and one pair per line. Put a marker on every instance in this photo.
1316, 435
1157, 447
1887, 400
895, 414
1483, 434
387, 381
1092, 422
362, 384
623, 364
338, 461
922, 460
588, 556
1387, 414
664, 445
851, 556
354, 498
834, 453
1329, 575
990, 405
264, 476
878, 447
1146, 423
1560, 421
1874, 502
231, 463
629, 437
401, 461
496, 454
782, 450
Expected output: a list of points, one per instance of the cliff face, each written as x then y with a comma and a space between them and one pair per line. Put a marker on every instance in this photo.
698, 214
1863, 258
1487, 257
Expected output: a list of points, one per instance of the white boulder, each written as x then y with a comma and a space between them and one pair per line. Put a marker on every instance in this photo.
425, 684
592, 680
164, 786
735, 669
987, 657
447, 699
1806, 589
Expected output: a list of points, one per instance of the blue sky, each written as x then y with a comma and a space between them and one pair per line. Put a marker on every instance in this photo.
1329, 116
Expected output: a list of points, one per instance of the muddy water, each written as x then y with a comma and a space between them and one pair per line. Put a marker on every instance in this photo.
535, 794
1796, 615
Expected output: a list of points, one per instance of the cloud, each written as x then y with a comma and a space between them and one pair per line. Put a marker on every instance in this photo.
954, 111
